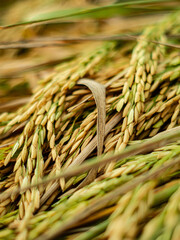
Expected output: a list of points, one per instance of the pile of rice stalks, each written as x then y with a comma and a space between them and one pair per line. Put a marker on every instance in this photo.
107, 104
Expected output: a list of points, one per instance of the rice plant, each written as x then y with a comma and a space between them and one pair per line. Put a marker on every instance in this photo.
89, 120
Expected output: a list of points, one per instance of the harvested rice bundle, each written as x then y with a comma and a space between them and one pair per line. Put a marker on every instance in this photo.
107, 98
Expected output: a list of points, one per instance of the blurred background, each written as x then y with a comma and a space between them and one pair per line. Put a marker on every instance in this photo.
30, 52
